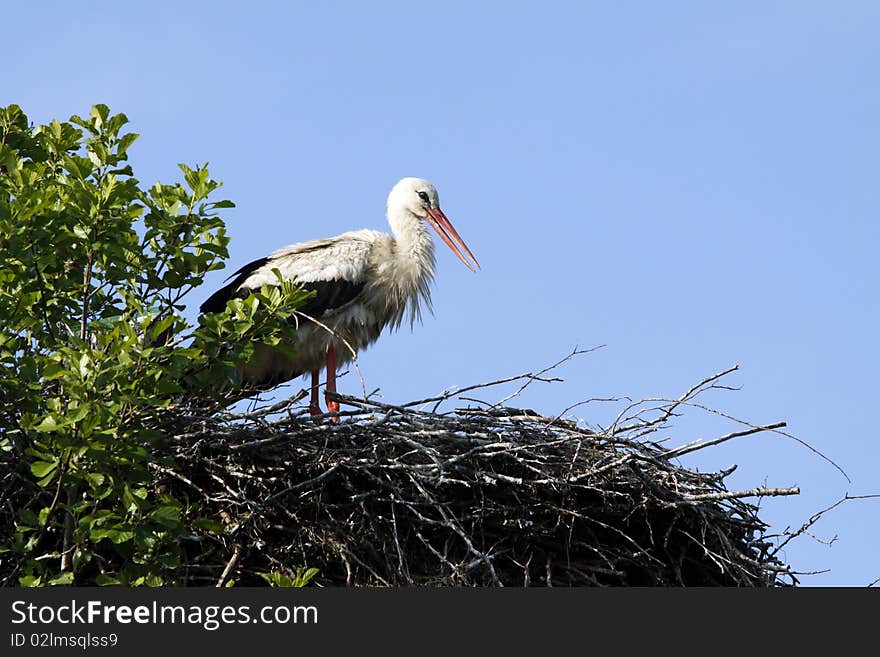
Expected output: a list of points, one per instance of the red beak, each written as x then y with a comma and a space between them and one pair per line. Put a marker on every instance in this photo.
449, 235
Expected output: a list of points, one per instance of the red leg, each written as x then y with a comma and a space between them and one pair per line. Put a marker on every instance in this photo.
314, 406
332, 405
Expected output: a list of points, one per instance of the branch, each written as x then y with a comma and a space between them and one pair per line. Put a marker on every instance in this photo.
696, 445
236, 553
754, 492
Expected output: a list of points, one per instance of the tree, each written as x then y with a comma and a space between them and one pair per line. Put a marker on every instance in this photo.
95, 353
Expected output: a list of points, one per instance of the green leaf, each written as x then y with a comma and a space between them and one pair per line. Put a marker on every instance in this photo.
55, 370
64, 579
48, 424
99, 115
118, 536
303, 576
167, 516
158, 328
8, 157
277, 579
83, 123
125, 141
79, 167
78, 413
123, 171
43, 468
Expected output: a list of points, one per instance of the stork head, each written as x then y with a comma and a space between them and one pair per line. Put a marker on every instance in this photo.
419, 198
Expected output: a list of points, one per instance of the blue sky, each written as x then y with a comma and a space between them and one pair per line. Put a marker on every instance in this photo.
691, 184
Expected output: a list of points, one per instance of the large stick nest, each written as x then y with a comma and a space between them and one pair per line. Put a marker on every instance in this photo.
486, 495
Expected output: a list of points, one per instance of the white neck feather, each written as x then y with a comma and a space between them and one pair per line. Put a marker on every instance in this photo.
415, 247
413, 262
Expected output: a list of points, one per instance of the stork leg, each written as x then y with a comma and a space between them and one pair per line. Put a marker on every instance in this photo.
332, 404
314, 406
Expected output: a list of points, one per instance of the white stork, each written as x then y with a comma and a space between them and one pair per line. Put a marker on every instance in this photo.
364, 281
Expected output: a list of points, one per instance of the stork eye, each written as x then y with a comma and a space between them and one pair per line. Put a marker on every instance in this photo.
424, 197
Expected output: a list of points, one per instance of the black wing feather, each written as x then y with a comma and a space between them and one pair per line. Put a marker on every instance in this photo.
330, 294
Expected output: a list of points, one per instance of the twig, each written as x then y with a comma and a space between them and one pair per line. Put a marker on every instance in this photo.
754, 492
236, 553
354, 357
692, 447
813, 519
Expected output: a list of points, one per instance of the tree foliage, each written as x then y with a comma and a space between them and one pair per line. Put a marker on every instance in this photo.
95, 351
